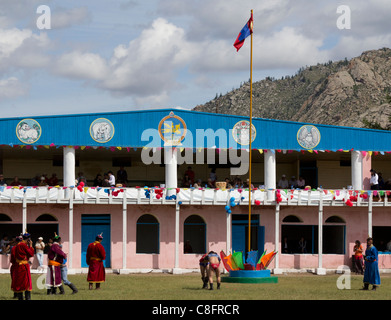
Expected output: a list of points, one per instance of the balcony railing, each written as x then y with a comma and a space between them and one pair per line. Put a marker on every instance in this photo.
188, 196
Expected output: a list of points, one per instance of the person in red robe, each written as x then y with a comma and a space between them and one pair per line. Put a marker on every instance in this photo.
14, 264
95, 255
56, 258
21, 276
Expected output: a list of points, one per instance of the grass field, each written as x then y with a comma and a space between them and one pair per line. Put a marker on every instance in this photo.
188, 287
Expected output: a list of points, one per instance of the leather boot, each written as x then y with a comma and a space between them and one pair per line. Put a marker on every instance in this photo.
61, 288
366, 285
27, 295
205, 286
211, 286
73, 288
20, 295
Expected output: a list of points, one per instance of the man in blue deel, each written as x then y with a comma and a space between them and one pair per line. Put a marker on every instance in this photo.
371, 275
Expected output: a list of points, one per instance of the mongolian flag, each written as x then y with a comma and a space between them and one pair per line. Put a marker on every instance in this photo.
246, 31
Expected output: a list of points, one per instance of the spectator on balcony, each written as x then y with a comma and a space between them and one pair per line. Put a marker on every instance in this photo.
283, 183
374, 181
191, 174
105, 182
43, 182
186, 182
84, 180
98, 181
210, 184
2, 181
36, 180
293, 182
53, 181
213, 176
15, 182
111, 179
122, 175
300, 183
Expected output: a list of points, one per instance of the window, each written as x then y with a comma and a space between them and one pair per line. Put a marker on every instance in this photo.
293, 234
4, 217
334, 235
194, 235
291, 218
147, 234
381, 238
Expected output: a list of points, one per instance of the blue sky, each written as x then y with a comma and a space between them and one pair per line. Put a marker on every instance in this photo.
129, 54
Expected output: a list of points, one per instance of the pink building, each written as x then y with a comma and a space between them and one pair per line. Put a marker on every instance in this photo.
168, 225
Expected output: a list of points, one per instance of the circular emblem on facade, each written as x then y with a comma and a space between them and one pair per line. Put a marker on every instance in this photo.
172, 129
102, 130
308, 136
241, 132
28, 131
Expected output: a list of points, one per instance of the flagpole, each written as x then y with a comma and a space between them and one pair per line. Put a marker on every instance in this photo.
251, 122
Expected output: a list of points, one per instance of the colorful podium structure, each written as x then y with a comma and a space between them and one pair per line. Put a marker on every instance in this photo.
248, 270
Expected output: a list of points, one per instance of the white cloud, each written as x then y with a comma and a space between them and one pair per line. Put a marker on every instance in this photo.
22, 49
84, 66
11, 88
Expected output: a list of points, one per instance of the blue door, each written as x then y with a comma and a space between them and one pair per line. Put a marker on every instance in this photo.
240, 235
91, 226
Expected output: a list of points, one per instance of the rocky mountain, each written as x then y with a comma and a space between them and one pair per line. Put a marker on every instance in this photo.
355, 93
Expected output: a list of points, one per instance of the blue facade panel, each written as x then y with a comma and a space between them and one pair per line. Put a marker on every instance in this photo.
136, 129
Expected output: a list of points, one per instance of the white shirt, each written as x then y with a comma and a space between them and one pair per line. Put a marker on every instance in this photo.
283, 184
112, 180
374, 179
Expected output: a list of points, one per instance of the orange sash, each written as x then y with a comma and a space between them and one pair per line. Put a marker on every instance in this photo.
54, 263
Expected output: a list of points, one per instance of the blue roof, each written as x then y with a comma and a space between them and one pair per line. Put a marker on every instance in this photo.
152, 128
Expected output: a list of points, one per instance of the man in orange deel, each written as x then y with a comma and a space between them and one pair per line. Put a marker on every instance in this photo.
95, 255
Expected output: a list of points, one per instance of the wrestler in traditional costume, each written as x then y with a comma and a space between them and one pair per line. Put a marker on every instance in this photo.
14, 264
21, 276
214, 264
204, 270
371, 274
55, 259
95, 255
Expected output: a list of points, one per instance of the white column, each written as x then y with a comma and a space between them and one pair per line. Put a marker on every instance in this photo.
69, 166
70, 250
370, 202
357, 170
176, 262
277, 269
124, 230
24, 214
270, 172
171, 173
320, 270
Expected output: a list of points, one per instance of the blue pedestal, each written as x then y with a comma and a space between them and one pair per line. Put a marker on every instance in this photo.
250, 276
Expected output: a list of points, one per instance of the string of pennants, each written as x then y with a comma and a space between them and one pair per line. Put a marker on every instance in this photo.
218, 150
